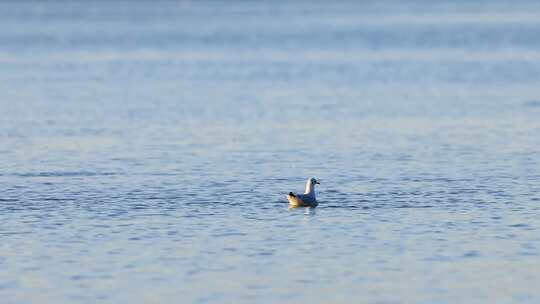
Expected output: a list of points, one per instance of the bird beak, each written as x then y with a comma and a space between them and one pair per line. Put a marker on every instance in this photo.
317, 182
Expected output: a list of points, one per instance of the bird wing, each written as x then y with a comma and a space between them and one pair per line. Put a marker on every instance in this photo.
307, 199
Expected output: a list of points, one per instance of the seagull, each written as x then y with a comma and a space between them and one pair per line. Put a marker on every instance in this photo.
304, 200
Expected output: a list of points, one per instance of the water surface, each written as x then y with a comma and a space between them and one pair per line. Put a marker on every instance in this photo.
146, 149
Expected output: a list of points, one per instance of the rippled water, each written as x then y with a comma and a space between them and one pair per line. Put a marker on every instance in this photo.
146, 149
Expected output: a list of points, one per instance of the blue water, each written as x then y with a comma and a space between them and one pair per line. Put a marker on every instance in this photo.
146, 149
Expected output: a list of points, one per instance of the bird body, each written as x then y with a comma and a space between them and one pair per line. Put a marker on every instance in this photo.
307, 199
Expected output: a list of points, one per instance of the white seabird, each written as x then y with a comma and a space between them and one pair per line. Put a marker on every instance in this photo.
304, 200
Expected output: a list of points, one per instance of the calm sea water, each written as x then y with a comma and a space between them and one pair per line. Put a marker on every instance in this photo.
146, 149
